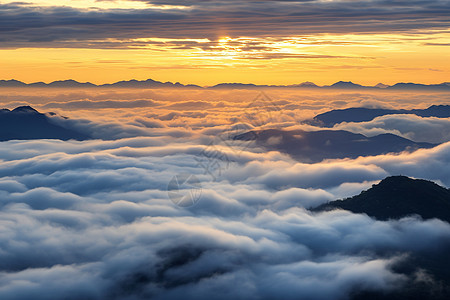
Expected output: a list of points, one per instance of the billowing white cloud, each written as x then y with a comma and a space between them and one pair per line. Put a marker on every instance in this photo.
418, 129
93, 219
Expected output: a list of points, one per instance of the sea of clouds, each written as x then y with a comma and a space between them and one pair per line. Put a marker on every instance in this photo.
94, 219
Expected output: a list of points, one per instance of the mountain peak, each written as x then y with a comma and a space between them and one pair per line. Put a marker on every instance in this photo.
382, 85
307, 84
26, 123
345, 84
25, 109
396, 197
403, 184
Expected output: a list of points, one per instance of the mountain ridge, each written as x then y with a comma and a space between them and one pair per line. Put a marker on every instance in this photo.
362, 114
25, 123
315, 146
396, 197
150, 83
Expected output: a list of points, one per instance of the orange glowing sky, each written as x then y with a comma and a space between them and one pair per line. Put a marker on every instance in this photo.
208, 42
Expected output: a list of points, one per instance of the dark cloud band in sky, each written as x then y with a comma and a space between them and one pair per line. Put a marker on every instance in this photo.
27, 26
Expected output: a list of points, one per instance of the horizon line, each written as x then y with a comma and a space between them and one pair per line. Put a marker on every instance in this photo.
304, 84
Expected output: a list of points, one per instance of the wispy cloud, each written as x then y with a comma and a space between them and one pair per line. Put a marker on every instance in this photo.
214, 19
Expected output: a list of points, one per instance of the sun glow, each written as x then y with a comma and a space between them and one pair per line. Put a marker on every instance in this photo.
365, 58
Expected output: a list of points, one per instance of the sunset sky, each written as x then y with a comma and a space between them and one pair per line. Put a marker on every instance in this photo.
140, 191
206, 42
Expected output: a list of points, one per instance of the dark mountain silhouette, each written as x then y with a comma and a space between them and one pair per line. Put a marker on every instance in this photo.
346, 85
150, 83
24, 123
362, 114
381, 85
307, 84
439, 111
396, 197
416, 86
236, 86
69, 84
12, 83
315, 146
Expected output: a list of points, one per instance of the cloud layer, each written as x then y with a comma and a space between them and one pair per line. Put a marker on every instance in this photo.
94, 220
431, 130
117, 28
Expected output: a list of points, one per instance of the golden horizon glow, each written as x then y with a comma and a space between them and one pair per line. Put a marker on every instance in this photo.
323, 59
208, 42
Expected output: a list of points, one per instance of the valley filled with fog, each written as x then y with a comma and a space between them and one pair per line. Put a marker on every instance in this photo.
96, 217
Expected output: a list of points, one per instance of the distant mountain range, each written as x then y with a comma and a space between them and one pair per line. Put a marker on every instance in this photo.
396, 197
307, 146
25, 123
315, 146
362, 114
149, 83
